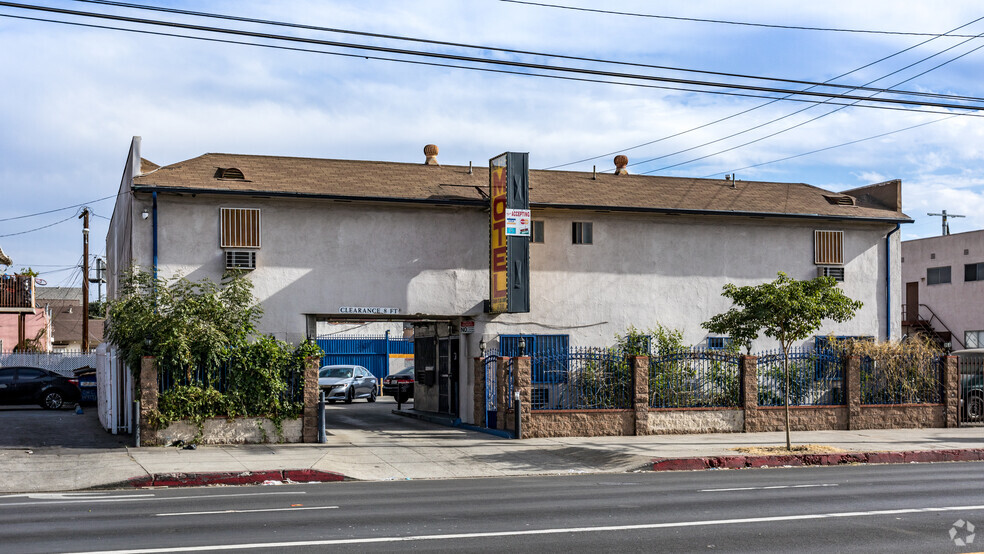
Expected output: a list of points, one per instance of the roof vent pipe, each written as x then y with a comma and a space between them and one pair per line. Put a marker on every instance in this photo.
621, 161
594, 173
469, 167
431, 152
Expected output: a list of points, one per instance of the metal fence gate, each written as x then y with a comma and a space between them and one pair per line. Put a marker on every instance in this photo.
972, 390
372, 352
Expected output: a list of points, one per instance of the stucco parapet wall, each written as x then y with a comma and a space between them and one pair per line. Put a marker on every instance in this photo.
240, 430
704, 420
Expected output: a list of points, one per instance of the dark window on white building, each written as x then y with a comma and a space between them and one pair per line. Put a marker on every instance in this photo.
938, 275
974, 272
537, 231
581, 233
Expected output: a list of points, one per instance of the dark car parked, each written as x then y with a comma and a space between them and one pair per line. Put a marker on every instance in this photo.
399, 382
33, 385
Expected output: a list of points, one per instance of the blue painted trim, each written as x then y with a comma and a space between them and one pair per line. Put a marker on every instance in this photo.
888, 282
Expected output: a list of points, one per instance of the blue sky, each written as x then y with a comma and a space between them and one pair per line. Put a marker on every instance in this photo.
73, 97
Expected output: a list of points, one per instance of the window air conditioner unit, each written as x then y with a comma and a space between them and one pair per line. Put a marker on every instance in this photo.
240, 259
831, 271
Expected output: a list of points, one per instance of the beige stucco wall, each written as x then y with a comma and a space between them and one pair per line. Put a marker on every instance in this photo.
317, 256
240, 430
957, 303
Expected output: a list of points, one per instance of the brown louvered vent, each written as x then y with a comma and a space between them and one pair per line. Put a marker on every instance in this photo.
240, 227
828, 247
230, 173
840, 199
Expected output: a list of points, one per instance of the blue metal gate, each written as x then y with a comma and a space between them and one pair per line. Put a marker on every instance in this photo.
372, 352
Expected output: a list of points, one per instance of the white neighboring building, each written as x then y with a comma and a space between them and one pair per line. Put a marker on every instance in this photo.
331, 239
944, 287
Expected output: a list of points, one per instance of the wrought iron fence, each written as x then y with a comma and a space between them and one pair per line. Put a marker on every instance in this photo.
219, 377
62, 363
815, 378
491, 361
901, 380
510, 381
694, 378
582, 379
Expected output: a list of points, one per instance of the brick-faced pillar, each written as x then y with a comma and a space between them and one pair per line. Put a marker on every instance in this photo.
479, 398
149, 393
309, 422
748, 372
523, 375
852, 391
951, 391
500, 392
640, 393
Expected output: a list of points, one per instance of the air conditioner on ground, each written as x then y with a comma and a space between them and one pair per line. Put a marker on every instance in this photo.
837, 272
240, 259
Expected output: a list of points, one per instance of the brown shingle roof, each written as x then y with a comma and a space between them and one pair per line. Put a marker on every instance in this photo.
371, 180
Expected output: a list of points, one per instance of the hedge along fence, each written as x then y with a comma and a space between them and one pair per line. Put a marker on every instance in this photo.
264, 378
815, 378
901, 380
694, 378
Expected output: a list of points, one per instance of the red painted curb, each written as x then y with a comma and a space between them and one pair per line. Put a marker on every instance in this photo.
202, 479
739, 462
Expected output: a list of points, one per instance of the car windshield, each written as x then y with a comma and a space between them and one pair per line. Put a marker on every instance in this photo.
337, 372
408, 372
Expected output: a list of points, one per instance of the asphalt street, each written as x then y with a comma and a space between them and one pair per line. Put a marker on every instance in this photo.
891, 508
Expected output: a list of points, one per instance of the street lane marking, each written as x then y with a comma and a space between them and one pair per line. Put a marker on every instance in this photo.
528, 532
769, 488
247, 511
139, 497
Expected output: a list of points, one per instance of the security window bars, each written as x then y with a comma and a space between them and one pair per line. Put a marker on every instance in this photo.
828, 247
537, 231
836, 273
938, 275
581, 232
717, 343
240, 227
974, 272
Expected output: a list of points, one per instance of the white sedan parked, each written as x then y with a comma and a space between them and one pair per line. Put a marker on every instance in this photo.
347, 382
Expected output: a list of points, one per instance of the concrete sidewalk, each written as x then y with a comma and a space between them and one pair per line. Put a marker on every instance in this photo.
429, 452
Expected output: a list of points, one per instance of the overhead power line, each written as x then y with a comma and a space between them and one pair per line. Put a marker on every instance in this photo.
470, 68
58, 209
491, 61
212, 15
38, 228
723, 21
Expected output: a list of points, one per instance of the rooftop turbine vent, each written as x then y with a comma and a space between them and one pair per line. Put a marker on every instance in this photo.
621, 162
430, 151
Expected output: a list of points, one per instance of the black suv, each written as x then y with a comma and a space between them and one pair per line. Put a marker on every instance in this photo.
33, 385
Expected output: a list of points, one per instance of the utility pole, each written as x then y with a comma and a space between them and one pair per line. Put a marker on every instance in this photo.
946, 225
85, 279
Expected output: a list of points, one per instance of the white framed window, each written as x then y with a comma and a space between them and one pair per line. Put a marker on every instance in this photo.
582, 232
938, 275
974, 339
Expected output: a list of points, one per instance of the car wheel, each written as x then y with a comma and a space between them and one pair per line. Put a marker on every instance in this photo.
975, 408
349, 397
372, 395
332, 401
53, 400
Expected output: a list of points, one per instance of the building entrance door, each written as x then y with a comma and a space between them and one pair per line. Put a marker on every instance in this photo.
912, 302
447, 375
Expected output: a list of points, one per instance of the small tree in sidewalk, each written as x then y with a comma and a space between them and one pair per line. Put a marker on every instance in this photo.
788, 310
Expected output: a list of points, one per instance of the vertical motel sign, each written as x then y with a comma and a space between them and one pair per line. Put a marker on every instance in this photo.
510, 224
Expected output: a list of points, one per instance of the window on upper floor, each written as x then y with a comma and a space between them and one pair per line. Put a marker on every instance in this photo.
974, 272
938, 275
581, 232
828, 247
537, 235
240, 227
974, 339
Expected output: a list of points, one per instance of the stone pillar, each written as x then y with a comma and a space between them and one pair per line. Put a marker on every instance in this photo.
479, 372
748, 373
951, 391
309, 421
523, 375
852, 390
500, 392
640, 393
149, 393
